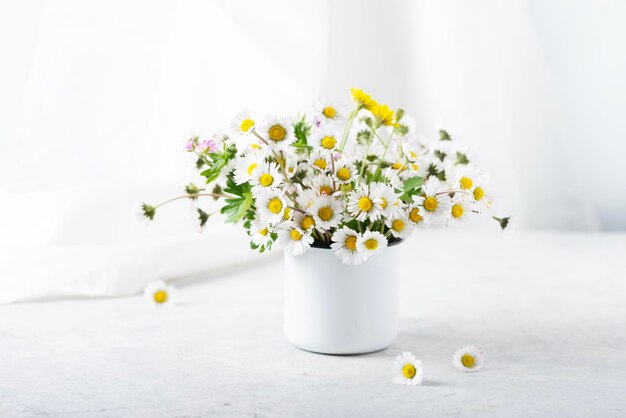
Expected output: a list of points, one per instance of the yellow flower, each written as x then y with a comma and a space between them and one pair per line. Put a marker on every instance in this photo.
363, 99
383, 115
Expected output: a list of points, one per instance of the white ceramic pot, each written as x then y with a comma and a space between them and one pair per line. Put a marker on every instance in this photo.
334, 308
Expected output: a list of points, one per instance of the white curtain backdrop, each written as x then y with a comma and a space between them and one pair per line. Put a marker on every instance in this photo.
98, 98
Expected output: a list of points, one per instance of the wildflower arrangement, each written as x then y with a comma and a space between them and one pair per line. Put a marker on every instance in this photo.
353, 180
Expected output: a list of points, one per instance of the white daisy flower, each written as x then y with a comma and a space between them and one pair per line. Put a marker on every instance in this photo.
482, 197
271, 206
414, 213
261, 234
326, 211
324, 138
323, 184
434, 205
371, 243
277, 131
468, 359
399, 225
159, 293
293, 239
390, 200
243, 124
407, 369
266, 175
330, 111
392, 175
291, 163
320, 160
345, 172
306, 198
364, 204
246, 166
466, 177
459, 209
410, 151
305, 221
344, 245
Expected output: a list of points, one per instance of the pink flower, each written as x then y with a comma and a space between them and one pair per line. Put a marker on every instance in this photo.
190, 145
208, 145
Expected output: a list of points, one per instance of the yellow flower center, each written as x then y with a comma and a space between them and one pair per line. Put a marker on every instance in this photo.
398, 225
343, 174
466, 183
328, 142
430, 204
365, 204
266, 180
287, 214
324, 189
160, 296
255, 146
408, 370
398, 166
307, 222
251, 168
371, 244
275, 205
246, 124
351, 243
277, 133
457, 211
320, 163
295, 235
263, 231
384, 204
329, 112
325, 213
479, 193
415, 216
468, 360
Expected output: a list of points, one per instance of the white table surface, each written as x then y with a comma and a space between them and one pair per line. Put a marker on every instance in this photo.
548, 310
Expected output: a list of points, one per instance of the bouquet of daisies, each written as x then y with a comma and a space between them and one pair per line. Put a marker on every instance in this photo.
353, 180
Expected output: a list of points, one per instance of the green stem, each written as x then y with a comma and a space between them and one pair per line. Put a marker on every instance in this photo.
189, 196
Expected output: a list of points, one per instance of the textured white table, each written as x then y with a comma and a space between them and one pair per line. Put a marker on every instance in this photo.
548, 310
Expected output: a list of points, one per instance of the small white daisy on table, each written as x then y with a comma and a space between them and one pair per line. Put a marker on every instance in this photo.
158, 293
345, 246
468, 359
266, 175
326, 211
277, 132
371, 243
293, 239
271, 206
364, 204
407, 369
434, 202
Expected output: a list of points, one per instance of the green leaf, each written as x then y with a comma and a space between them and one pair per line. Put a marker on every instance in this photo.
203, 217
412, 187
219, 161
461, 159
236, 207
444, 135
440, 154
